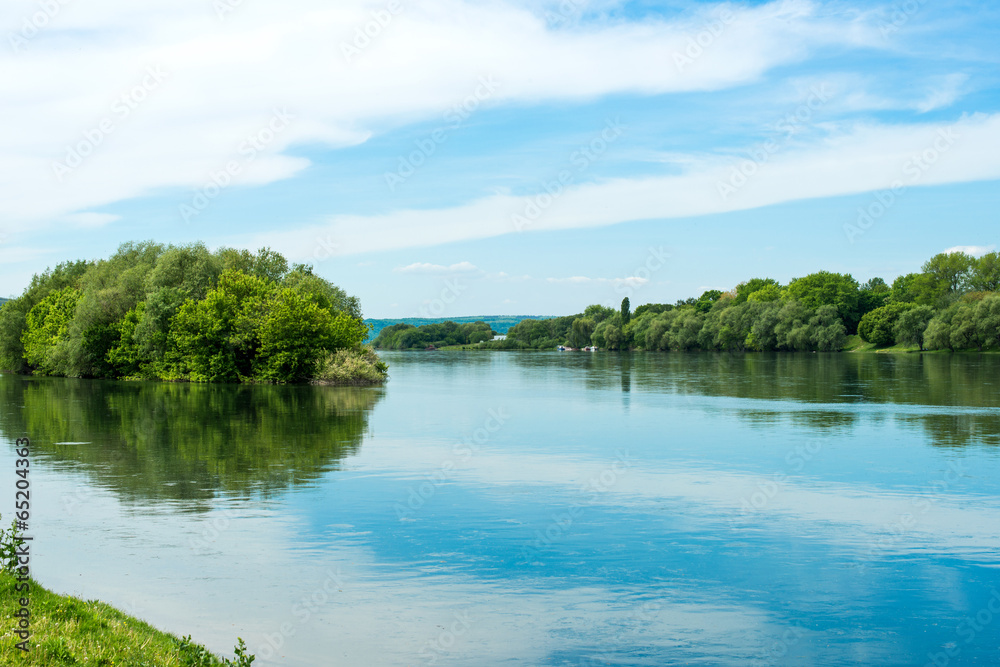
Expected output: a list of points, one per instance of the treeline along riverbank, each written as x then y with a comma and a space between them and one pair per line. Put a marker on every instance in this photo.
950, 304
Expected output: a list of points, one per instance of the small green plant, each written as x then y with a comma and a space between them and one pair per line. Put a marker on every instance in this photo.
242, 659
193, 655
9, 542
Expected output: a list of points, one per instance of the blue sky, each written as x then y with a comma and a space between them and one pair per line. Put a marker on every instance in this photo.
504, 157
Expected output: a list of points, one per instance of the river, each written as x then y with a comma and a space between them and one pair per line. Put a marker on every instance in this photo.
536, 509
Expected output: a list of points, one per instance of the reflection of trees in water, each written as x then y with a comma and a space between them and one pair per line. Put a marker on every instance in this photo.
940, 380
187, 441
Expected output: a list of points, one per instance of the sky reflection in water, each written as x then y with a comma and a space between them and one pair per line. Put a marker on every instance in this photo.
538, 509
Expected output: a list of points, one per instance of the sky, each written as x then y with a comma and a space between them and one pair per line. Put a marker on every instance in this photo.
449, 158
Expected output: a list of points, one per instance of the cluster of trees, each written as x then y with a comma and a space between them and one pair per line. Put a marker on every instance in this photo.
405, 336
952, 303
179, 313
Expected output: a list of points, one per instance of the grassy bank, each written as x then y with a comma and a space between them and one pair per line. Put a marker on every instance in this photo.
68, 631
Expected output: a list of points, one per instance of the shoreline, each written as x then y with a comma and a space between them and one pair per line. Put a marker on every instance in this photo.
66, 630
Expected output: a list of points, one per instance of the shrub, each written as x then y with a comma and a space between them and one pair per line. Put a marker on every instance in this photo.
877, 326
353, 367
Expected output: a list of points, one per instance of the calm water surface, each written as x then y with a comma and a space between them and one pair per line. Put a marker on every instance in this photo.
537, 509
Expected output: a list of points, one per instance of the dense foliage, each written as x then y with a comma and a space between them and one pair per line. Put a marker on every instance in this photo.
952, 303
440, 334
179, 313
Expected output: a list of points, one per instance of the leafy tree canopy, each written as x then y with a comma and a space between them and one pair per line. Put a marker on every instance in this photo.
179, 312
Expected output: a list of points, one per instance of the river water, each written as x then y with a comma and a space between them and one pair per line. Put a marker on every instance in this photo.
536, 509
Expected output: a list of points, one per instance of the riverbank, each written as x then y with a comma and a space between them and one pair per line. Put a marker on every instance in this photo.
69, 631
854, 345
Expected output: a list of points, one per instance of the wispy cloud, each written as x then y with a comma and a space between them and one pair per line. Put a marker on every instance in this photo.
943, 94
420, 267
137, 142
865, 158
974, 250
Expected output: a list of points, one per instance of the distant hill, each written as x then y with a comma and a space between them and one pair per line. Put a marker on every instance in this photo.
499, 323
3, 300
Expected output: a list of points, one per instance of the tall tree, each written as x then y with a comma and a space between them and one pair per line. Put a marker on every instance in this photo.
826, 288
745, 289
986, 273
950, 272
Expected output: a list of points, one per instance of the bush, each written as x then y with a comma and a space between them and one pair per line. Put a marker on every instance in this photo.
877, 327
357, 367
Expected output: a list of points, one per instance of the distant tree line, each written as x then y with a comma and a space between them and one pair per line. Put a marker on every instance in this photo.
180, 313
439, 334
952, 303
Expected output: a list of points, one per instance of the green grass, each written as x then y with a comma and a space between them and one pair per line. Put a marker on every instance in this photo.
856, 344
68, 631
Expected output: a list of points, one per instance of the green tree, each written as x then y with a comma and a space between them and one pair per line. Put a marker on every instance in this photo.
322, 292
190, 269
877, 327
744, 290
654, 308
626, 312
950, 271
905, 289
827, 332
266, 264
986, 273
109, 289
965, 330
764, 317
685, 328
766, 294
614, 339
937, 335
125, 358
46, 332
296, 334
732, 327
911, 325
13, 315
988, 320
707, 300
873, 294
598, 313
582, 330
825, 288
13, 320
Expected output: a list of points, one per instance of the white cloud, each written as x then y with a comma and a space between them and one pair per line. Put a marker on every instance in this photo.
863, 159
573, 280
858, 92
974, 250
419, 267
75, 87
943, 94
